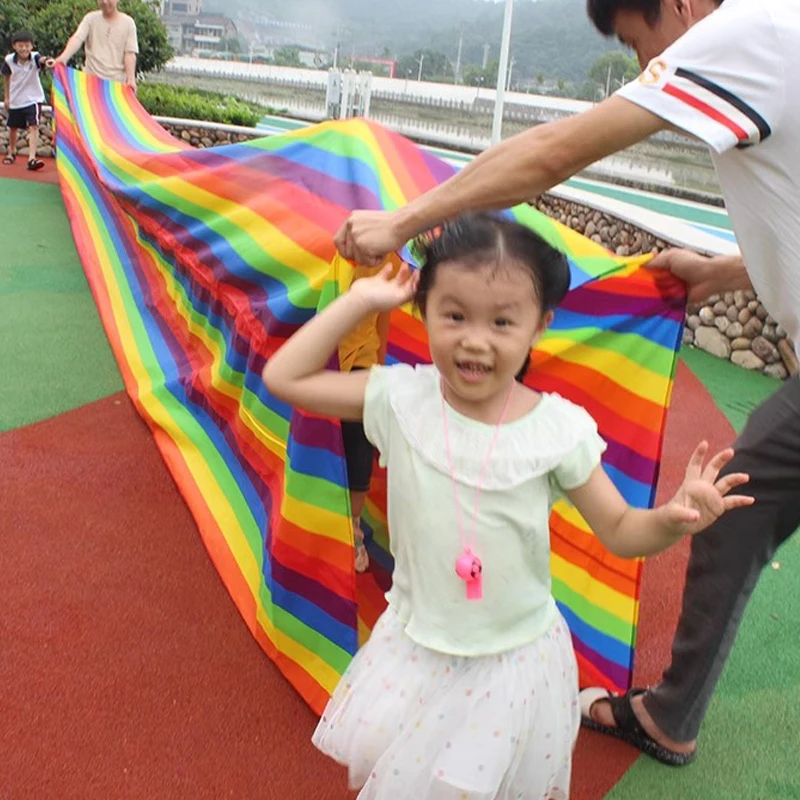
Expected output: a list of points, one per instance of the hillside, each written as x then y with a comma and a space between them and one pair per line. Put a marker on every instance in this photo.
550, 37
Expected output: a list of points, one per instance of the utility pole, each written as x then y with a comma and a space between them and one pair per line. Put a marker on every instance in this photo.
497, 122
458, 57
421, 60
510, 71
485, 55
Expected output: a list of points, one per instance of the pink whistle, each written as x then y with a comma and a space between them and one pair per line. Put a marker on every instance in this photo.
470, 570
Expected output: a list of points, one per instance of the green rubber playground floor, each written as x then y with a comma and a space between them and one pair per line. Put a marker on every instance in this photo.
55, 357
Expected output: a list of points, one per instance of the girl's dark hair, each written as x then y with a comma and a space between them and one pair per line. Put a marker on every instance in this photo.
476, 240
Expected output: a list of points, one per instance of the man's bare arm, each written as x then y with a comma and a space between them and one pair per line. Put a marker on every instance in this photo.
512, 172
528, 164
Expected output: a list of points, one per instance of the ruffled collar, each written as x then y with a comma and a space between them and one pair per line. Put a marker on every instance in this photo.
526, 448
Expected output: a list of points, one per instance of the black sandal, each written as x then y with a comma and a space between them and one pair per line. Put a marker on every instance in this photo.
10, 158
627, 727
34, 164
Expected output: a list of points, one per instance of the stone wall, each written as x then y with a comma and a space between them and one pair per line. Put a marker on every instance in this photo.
45, 147
734, 326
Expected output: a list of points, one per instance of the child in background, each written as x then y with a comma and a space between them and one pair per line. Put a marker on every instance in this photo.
361, 349
23, 95
467, 687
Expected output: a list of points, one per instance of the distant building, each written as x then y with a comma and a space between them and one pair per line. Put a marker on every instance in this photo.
181, 7
191, 34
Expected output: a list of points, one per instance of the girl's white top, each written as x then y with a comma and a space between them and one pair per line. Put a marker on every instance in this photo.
554, 448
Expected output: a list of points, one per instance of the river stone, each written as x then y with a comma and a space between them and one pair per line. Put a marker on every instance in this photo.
753, 328
712, 341
734, 330
776, 371
706, 316
764, 349
747, 359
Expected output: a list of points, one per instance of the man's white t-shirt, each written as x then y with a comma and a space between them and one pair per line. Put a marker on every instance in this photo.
730, 81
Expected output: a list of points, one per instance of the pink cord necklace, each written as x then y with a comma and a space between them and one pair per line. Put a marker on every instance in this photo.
468, 565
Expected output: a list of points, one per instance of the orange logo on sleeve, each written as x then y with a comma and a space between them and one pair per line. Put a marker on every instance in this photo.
655, 69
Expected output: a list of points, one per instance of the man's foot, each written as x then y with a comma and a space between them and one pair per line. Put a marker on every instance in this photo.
34, 164
10, 158
625, 717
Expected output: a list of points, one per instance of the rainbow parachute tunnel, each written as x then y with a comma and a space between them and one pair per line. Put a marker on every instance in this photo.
202, 262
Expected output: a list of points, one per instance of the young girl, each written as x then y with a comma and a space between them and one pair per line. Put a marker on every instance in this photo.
467, 687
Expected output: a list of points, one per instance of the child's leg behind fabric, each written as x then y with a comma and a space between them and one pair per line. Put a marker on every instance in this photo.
359, 455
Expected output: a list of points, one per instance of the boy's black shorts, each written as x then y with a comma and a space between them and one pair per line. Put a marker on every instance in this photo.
27, 117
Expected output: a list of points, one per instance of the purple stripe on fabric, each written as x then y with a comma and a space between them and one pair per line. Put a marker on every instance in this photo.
618, 675
317, 184
439, 168
597, 303
628, 461
316, 432
334, 605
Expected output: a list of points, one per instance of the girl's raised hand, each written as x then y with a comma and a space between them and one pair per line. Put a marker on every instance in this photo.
388, 289
703, 497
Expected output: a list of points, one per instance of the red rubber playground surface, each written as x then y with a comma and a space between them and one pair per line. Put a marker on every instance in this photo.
125, 670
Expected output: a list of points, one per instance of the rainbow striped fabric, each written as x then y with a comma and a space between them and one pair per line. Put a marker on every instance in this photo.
203, 261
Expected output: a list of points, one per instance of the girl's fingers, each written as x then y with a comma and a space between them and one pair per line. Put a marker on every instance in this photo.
737, 501
716, 464
696, 461
724, 485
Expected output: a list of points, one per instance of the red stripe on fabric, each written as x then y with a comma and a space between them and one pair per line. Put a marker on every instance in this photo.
706, 109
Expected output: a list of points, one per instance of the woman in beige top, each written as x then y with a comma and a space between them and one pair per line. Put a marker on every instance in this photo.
111, 44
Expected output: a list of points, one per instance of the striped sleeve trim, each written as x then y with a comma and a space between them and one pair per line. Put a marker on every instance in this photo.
719, 105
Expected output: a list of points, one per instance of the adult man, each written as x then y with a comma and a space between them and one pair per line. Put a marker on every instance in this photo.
722, 72
111, 44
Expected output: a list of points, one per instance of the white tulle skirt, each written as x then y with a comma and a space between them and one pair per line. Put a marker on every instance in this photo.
409, 722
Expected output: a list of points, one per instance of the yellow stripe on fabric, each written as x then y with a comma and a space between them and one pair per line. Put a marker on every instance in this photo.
610, 600
634, 377
314, 519
319, 669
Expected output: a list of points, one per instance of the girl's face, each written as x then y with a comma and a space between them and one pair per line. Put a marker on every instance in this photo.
481, 323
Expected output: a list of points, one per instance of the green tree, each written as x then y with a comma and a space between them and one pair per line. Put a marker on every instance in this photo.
613, 69
56, 21
435, 65
475, 76
13, 17
232, 45
287, 57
